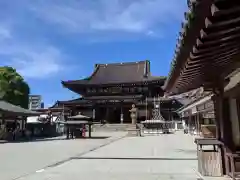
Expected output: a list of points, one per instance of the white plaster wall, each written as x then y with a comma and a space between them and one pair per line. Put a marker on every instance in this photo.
235, 121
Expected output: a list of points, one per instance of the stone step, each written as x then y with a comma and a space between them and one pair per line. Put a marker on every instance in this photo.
112, 127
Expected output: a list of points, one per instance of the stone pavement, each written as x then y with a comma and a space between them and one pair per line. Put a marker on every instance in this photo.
163, 157
22, 159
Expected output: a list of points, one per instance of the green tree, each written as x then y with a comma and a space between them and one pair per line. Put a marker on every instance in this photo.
13, 88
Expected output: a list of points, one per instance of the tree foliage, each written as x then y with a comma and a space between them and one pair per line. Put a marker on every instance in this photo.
13, 88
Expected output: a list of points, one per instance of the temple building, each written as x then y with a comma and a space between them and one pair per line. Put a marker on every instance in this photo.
110, 91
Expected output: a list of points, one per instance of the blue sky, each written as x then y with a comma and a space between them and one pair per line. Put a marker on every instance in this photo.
54, 40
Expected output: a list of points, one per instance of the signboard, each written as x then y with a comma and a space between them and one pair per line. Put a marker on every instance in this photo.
209, 115
208, 106
194, 110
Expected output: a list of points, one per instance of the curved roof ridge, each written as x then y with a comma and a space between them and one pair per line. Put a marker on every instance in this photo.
121, 63
93, 73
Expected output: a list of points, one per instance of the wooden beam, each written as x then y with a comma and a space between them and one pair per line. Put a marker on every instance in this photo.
209, 43
193, 75
194, 66
222, 33
198, 67
197, 77
203, 34
183, 87
199, 42
183, 83
215, 63
215, 11
225, 23
226, 46
213, 54
195, 49
199, 64
186, 69
186, 86
189, 83
224, 54
207, 23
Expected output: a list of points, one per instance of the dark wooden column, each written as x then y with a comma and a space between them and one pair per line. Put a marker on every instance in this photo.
222, 114
90, 130
218, 110
107, 114
198, 123
222, 120
189, 123
67, 131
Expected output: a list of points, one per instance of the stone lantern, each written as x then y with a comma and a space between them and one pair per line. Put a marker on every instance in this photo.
133, 115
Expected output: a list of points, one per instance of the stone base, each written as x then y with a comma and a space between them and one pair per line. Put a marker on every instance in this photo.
134, 132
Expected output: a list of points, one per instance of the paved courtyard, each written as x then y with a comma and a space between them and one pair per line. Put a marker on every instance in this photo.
162, 157
22, 159
148, 158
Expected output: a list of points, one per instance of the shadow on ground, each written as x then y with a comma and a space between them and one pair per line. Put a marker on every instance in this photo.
53, 139
136, 158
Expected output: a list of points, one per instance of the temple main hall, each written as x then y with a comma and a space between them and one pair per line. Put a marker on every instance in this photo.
110, 91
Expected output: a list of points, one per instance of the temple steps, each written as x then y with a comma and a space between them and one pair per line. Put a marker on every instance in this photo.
112, 127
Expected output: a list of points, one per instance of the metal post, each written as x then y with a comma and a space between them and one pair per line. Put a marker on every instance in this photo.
121, 117
146, 109
93, 115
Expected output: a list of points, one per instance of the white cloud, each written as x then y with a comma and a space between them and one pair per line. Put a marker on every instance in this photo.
136, 16
32, 60
4, 33
37, 64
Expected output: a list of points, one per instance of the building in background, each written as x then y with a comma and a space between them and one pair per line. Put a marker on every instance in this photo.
35, 101
42, 105
110, 91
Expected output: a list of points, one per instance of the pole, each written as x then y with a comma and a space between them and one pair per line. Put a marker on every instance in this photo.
121, 116
146, 109
93, 115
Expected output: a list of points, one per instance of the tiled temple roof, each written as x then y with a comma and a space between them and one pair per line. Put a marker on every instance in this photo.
118, 73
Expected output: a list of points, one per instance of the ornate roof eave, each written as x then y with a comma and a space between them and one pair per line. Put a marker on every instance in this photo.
216, 46
188, 24
85, 83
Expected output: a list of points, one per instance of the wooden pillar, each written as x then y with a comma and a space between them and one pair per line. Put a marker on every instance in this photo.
23, 128
218, 101
90, 130
222, 114
222, 120
67, 131
198, 124
195, 123
107, 114
189, 124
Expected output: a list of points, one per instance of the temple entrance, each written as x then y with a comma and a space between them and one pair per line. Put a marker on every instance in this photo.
126, 115
114, 115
